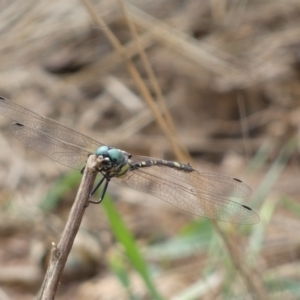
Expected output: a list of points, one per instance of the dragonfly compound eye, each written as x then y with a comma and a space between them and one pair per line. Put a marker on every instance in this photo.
101, 150
115, 155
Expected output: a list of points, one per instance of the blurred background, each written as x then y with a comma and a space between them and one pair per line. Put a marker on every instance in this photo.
228, 74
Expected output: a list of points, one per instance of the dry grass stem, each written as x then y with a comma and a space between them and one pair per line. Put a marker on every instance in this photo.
60, 253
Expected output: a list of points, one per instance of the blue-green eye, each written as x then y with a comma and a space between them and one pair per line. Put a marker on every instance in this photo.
115, 155
101, 150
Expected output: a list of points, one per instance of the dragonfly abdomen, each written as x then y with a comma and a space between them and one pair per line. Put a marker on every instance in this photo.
160, 162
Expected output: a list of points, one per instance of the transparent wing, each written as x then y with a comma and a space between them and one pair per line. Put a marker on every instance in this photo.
45, 125
200, 182
200, 193
65, 153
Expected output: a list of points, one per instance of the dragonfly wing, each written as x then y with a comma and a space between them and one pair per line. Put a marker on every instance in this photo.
45, 125
65, 153
201, 182
177, 190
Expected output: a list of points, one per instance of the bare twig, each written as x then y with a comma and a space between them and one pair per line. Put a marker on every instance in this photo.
138, 79
59, 253
150, 73
250, 276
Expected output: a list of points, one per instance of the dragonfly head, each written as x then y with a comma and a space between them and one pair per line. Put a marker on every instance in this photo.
115, 163
112, 156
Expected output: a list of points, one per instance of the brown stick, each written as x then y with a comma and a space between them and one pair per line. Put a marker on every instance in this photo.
59, 253
250, 275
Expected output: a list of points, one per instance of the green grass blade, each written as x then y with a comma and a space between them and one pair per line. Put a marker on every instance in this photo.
117, 265
125, 238
63, 185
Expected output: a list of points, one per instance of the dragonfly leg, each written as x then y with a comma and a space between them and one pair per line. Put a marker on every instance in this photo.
103, 191
97, 186
82, 170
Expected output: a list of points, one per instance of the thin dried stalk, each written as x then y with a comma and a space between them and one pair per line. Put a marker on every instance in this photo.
138, 79
59, 253
161, 100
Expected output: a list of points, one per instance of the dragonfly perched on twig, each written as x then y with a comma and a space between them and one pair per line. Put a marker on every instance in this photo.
201, 193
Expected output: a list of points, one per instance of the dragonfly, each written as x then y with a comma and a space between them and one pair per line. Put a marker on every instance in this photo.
201, 193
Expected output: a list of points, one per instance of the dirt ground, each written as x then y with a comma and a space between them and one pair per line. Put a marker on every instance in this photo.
212, 83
